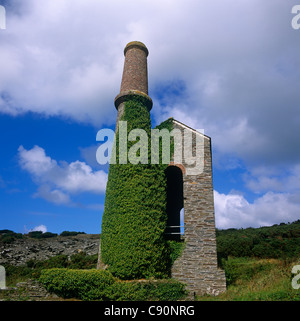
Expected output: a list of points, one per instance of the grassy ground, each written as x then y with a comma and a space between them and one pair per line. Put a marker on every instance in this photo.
33, 268
250, 279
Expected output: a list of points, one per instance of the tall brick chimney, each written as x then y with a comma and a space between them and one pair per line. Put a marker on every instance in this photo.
135, 74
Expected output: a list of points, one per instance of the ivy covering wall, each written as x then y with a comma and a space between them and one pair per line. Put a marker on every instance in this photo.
134, 218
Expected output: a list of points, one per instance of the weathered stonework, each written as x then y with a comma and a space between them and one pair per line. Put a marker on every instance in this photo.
197, 267
135, 73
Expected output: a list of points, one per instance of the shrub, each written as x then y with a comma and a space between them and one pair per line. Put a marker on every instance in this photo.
7, 232
35, 234
101, 285
76, 261
153, 290
81, 284
6, 239
277, 241
48, 235
8, 236
58, 261
83, 261
70, 233
41, 235
15, 274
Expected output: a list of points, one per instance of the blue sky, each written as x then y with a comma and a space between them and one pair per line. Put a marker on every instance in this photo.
230, 67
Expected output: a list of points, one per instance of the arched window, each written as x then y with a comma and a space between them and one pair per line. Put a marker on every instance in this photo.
174, 203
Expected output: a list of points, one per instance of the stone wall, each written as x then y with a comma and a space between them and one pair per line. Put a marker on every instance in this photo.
197, 267
22, 250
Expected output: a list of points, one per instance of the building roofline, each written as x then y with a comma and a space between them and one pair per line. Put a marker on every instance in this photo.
190, 128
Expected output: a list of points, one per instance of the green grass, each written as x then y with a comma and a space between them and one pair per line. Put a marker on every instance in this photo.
252, 279
248, 278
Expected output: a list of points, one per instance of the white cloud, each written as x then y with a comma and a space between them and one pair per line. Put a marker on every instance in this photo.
57, 180
237, 63
240, 81
233, 210
262, 179
63, 57
57, 59
41, 228
35, 161
54, 196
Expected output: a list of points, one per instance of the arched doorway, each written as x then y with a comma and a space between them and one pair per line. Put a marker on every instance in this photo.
174, 202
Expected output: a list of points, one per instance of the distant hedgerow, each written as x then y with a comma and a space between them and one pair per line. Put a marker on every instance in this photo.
70, 233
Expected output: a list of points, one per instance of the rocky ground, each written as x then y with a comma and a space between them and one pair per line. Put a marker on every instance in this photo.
22, 250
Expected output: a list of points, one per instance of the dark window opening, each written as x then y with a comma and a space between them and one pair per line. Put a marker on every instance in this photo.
174, 203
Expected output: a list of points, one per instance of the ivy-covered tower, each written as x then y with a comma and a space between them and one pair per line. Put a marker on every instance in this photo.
144, 202
134, 218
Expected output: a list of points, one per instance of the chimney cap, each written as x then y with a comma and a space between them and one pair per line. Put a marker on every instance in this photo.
136, 44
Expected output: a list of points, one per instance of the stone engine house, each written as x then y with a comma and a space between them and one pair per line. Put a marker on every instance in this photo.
189, 193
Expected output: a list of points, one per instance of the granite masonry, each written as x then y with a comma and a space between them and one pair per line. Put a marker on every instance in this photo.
197, 266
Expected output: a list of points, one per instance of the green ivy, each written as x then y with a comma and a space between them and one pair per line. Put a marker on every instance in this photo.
176, 249
82, 284
134, 218
145, 290
102, 285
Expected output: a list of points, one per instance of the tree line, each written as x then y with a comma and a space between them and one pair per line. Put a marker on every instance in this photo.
276, 241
